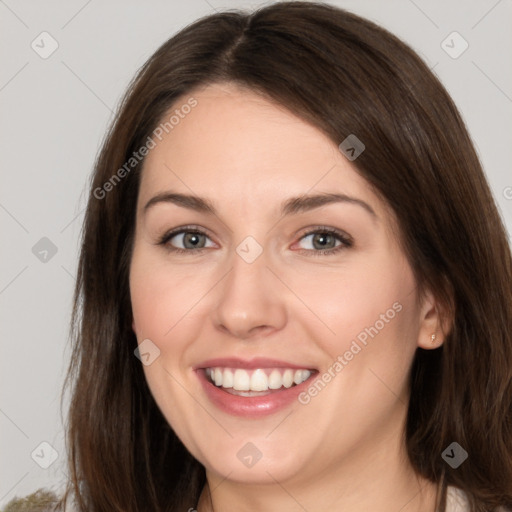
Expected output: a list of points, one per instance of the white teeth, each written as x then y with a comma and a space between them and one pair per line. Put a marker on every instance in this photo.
301, 376
275, 381
256, 380
241, 380
288, 378
227, 379
259, 381
218, 377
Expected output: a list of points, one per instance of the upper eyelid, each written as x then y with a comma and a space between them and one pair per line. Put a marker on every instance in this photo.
186, 229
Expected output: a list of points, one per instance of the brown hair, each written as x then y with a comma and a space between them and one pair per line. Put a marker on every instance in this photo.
344, 75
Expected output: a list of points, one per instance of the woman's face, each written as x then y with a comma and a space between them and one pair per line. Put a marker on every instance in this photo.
304, 311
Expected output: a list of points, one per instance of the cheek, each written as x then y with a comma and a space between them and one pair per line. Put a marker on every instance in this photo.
160, 295
374, 317
372, 314
160, 302
350, 299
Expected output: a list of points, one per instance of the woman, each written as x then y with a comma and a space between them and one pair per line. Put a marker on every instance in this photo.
294, 288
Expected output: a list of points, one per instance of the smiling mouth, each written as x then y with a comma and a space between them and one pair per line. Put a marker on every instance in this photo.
257, 382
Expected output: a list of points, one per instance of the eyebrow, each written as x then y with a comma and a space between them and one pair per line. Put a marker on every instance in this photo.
291, 206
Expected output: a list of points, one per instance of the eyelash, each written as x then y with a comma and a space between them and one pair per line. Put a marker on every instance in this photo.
345, 240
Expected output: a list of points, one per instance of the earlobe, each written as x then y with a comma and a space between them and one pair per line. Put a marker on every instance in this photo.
435, 341
434, 323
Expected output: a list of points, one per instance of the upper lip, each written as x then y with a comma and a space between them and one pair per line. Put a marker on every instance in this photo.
257, 362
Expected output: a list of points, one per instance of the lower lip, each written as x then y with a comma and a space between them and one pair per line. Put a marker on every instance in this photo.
251, 406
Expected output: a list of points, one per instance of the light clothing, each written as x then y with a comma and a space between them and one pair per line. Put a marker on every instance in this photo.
456, 500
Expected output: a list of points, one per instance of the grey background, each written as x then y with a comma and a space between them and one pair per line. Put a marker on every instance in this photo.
54, 114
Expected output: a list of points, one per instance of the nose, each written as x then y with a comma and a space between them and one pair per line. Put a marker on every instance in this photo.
251, 301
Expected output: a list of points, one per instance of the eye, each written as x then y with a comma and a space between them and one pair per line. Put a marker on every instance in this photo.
192, 239
323, 241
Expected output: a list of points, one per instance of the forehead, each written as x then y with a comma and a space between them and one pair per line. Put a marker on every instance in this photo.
234, 145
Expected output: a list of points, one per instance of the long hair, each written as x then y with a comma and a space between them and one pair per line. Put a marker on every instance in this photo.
344, 75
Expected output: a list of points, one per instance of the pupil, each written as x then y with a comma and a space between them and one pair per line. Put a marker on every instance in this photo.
322, 238
192, 237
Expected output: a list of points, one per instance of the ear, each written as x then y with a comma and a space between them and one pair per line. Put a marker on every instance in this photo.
435, 321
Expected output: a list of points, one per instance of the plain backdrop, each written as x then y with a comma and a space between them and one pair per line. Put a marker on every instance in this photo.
55, 111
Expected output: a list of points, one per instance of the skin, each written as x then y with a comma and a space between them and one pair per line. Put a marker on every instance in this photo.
344, 449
